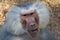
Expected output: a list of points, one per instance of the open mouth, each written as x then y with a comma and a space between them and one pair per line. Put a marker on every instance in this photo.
34, 30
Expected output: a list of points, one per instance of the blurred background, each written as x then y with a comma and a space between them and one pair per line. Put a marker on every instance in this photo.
53, 5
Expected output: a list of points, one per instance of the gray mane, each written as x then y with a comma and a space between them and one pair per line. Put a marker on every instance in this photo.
13, 24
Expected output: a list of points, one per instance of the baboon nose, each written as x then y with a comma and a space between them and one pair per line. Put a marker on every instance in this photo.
32, 24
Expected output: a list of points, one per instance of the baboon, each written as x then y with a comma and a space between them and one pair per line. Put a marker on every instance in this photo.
27, 21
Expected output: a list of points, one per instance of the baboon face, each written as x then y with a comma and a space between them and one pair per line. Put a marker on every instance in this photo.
30, 21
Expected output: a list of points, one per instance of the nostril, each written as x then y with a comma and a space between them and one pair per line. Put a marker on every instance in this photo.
32, 24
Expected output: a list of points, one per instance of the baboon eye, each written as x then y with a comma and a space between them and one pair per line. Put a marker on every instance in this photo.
25, 15
29, 14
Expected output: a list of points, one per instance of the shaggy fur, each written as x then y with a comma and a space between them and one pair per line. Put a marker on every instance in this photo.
13, 24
